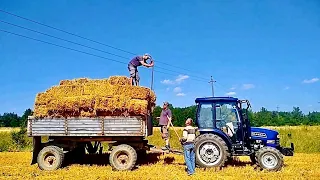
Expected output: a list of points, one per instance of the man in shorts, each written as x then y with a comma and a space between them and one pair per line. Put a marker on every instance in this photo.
133, 67
164, 123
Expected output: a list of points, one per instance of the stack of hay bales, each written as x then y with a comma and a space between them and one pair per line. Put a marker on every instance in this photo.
94, 98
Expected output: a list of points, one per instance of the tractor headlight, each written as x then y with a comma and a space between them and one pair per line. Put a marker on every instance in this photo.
278, 136
271, 141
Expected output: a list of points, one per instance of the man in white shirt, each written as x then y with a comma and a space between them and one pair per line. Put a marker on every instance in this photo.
189, 136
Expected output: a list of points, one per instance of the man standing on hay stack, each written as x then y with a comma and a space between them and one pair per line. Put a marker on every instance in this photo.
133, 67
164, 123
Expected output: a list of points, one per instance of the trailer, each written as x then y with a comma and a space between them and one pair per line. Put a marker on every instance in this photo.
126, 138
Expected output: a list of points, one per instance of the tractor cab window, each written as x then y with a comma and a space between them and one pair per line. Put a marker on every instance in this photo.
205, 118
227, 118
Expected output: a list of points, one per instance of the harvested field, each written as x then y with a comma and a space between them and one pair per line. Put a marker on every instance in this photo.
94, 97
156, 166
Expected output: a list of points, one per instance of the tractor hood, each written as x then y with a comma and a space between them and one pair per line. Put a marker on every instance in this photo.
263, 134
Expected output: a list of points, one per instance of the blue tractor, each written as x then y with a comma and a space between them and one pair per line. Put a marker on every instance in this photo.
225, 131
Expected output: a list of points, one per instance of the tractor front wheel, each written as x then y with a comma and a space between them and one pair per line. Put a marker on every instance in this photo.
269, 158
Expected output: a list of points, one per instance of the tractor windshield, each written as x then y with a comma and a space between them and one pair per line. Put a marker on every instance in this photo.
227, 118
218, 115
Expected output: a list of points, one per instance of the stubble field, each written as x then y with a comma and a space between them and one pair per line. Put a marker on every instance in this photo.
303, 165
16, 165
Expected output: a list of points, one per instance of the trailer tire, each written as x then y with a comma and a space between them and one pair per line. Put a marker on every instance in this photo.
212, 148
269, 158
50, 158
123, 157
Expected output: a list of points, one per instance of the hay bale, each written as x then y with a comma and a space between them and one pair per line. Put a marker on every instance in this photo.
65, 90
41, 111
41, 99
119, 80
78, 81
94, 97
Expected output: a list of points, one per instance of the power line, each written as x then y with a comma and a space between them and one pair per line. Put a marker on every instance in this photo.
79, 51
33, 21
89, 47
82, 37
62, 39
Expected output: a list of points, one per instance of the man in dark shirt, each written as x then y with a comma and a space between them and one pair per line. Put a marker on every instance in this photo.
164, 123
133, 67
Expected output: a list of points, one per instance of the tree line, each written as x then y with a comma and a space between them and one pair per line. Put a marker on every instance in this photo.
263, 117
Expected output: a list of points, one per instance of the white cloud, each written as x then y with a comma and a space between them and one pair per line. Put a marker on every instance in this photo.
177, 89
181, 94
248, 86
233, 88
308, 81
181, 78
167, 81
286, 88
178, 80
231, 93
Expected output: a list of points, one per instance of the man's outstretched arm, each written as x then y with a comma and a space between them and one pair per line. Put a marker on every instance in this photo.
146, 64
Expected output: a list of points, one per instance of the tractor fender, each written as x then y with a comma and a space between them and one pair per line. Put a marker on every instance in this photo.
219, 133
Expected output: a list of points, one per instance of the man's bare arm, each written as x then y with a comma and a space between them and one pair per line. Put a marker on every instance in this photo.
146, 64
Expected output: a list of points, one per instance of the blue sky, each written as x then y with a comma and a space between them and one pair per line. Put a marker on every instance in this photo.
264, 51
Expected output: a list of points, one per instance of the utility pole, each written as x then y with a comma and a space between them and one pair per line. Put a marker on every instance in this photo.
212, 87
278, 111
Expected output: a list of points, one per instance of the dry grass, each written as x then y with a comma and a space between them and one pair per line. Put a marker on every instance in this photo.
156, 166
8, 129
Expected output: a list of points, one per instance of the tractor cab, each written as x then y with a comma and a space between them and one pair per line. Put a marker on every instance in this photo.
225, 131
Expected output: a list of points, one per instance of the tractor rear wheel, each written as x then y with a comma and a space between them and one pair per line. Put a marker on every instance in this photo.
211, 151
269, 158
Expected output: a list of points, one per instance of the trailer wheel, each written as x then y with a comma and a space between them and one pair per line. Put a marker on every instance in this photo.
123, 157
211, 151
269, 158
50, 158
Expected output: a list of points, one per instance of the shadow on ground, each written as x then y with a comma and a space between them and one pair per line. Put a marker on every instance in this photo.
143, 160
103, 159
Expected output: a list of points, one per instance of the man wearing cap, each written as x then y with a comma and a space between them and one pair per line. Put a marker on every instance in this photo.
164, 123
133, 67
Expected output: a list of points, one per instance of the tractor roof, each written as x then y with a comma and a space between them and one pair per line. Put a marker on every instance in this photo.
216, 99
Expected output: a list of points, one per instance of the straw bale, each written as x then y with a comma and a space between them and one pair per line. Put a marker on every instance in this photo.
98, 89
138, 107
94, 97
65, 90
119, 80
41, 99
41, 110
78, 81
